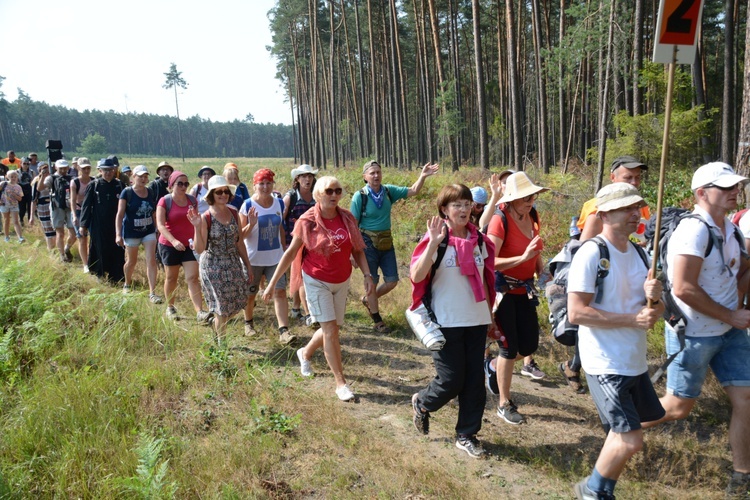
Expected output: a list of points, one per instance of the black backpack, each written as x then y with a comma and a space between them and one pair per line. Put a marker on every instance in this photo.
60, 193
364, 196
556, 291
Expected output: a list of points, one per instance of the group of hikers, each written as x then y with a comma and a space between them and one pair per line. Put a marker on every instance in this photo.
476, 268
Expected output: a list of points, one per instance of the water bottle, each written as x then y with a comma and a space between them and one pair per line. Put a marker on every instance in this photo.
573, 231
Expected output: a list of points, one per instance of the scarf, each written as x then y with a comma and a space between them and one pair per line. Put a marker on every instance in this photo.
311, 229
378, 198
465, 258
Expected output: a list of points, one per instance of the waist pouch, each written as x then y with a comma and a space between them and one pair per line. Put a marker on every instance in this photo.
381, 240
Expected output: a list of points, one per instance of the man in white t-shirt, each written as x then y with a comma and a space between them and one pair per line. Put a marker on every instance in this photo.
612, 334
707, 289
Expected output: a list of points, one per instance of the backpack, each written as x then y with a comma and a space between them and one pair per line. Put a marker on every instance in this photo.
737, 216
168, 203
3, 185
60, 194
556, 291
363, 195
499, 211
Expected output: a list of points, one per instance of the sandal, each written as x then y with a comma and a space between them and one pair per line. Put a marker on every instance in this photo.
573, 378
381, 328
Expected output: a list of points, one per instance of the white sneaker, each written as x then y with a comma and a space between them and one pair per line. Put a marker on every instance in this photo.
344, 393
304, 365
85, 269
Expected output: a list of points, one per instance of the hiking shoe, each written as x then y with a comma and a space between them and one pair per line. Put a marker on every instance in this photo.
203, 317
155, 299
126, 289
68, 255
286, 338
470, 444
304, 364
171, 313
296, 314
421, 418
739, 486
21, 239
249, 328
573, 378
490, 377
509, 412
532, 370
7, 239
344, 393
583, 492
309, 321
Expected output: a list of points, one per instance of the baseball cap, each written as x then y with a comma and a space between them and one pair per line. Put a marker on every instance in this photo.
617, 195
627, 162
125, 169
140, 170
479, 194
717, 173
83, 162
61, 164
371, 163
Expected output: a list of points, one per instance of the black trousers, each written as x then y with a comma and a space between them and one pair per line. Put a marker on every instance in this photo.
24, 206
459, 373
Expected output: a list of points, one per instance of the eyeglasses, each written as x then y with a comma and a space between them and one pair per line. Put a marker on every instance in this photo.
479, 205
531, 197
460, 206
182, 184
730, 188
331, 191
222, 192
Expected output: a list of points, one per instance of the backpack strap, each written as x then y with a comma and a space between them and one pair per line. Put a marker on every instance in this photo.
364, 196
602, 269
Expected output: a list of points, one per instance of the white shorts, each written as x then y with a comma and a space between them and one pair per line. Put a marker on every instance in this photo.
326, 301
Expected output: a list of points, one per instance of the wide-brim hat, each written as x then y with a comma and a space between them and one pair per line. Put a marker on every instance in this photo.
164, 164
518, 186
303, 169
105, 163
206, 169
617, 195
718, 174
216, 182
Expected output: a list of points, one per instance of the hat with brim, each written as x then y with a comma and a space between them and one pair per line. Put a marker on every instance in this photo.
518, 186
206, 169
140, 170
105, 164
506, 173
83, 162
125, 169
627, 162
162, 165
216, 182
617, 195
718, 174
303, 169
479, 195
369, 165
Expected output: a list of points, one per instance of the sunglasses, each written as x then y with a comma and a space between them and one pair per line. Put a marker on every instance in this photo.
730, 188
182, 184
222, 192
331, 191
530, 197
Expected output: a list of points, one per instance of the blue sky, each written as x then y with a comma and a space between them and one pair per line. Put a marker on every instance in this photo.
86, 54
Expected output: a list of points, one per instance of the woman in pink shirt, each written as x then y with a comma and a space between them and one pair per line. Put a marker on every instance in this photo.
329, 235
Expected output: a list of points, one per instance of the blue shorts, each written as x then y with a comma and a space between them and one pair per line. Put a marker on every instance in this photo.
726, 354
383, 259
136, 242
624, 401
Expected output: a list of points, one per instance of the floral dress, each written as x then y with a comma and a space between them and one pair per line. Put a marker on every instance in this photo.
223, 275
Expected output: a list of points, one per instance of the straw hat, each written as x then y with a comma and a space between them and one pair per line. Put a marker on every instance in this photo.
519, 186
216, 182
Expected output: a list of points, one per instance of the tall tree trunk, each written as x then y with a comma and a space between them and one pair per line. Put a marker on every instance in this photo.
604, 118
541, 82
561, 89
365, 119
514, 90
727, 103
742, 162
484, 151
373, 88
637, 58
332, 107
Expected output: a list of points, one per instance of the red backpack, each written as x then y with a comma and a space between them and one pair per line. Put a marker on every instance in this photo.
736, 217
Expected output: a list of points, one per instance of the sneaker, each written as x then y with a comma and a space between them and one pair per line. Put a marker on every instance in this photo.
286, 338
203, 317
421, 418
532, 370
126, 289
344, 393
470, 444
171, 313
155, 299
573, 378
249, 328
296, 314
739, 485
85, 269
68, 254
304, 364
509, 412
490, 377
583, 492
7, 239
21, 239
309, 321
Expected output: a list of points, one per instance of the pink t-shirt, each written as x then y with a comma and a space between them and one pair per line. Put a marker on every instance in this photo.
334, 268
177, 223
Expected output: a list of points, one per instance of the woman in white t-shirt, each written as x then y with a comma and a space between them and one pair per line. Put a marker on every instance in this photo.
260, 220
200, 190
462, 297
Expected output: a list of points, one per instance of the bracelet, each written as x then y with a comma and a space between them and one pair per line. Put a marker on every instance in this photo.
367, 275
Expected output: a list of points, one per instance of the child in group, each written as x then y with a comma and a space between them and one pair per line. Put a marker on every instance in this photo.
11, 194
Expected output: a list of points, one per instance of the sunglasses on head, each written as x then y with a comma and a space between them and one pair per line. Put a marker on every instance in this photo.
331, 191
222, 192
182, 184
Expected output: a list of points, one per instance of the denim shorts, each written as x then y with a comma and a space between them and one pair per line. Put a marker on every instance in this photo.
136, 242
383, 259
624, 401
259, 272
6, 209
726, 354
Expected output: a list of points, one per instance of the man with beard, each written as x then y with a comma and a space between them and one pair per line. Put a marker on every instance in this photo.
98, 212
